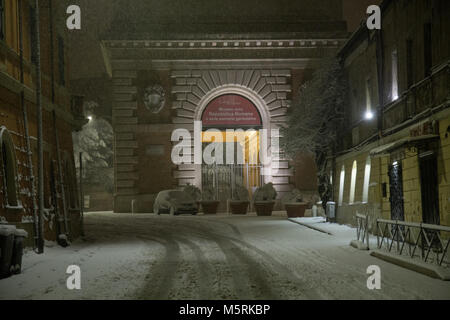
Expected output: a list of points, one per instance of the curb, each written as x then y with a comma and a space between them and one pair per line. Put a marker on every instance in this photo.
311, 227
430, 270
358, 245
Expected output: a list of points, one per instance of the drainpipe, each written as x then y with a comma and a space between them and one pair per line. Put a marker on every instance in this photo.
61, 180
40, 188
52, 55
25, 125
81, 196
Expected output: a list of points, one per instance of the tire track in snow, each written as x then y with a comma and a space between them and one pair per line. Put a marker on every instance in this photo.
257, 272
244, 271
204, 270
159, 279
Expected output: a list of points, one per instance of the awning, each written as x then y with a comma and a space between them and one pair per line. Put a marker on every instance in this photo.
385, 149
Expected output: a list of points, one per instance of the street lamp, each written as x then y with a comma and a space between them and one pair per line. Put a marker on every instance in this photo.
368, 115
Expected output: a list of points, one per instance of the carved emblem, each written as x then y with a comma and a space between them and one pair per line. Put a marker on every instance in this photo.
154, 98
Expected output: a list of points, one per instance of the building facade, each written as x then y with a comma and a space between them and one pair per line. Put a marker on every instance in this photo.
246, 59
394, 161
18, 120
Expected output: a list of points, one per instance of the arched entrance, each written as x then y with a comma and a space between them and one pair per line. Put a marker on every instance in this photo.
9, 169
230, 135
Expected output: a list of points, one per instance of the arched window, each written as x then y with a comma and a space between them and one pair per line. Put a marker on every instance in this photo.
341, 185
8, 168
353, 183
365, 195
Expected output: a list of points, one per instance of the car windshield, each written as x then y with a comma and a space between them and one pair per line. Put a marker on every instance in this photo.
180, 195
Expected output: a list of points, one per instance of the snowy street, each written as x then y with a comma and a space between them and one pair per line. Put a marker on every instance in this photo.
212, 257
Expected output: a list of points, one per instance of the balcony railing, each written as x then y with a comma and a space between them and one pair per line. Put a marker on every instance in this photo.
428, 93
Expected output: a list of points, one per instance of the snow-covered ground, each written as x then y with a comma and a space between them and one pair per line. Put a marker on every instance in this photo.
213, 257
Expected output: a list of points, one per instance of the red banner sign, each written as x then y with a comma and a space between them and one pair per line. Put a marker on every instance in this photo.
231, 110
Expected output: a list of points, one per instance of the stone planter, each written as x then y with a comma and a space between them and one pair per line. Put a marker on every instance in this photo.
210, 207
295, 209
264, 208
239, 207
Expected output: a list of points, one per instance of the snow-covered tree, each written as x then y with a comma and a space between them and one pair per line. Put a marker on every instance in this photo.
314, 117
95, 141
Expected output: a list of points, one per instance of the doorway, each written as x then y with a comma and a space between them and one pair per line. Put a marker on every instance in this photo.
237, 165
429, 187
396, 191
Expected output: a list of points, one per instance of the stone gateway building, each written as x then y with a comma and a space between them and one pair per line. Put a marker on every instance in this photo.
182, 62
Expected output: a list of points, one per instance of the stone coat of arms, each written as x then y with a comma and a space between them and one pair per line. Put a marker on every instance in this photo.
154, 98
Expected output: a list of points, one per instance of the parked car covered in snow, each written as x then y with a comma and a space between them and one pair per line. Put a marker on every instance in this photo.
174, 202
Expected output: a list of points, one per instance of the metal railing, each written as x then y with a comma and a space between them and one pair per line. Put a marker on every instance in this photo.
426, 237
225, 178
362, 228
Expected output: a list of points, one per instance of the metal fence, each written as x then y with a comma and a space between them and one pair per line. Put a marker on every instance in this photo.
362, 228
427, 238
224, 178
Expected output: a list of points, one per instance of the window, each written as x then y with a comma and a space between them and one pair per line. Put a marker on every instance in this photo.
353, 183
427, 49
61, 63
368, 96
365, 195
341, 185
409, 63
2, 20
394, 62
8, 168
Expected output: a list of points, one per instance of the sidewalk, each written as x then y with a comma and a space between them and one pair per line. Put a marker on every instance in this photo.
342, 231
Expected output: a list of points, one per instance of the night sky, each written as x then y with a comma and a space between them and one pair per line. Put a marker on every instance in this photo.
87, 61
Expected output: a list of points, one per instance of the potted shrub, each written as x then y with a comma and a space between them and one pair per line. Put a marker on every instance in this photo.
194, 193
239, 200
264, 199
209, 202
294, 204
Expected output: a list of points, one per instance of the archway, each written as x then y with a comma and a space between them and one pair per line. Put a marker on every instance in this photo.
231, 120
9, 168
